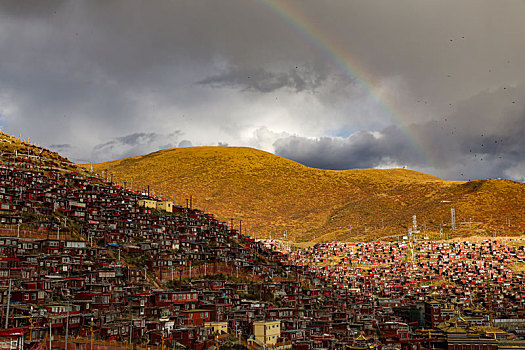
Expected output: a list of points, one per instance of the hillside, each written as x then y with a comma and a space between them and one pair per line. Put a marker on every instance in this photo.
272, 195
12, 146
17, 150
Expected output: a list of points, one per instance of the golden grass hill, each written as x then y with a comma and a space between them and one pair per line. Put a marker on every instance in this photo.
270, 196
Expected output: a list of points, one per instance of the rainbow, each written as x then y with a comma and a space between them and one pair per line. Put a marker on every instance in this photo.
343, 60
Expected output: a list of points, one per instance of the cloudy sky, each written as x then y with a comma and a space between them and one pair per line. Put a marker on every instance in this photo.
438, 86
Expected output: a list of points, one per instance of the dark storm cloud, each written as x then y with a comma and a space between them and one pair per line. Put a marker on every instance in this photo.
264, 81
482, 138
363, 149
86, 72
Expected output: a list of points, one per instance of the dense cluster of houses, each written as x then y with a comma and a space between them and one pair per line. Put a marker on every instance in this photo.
451, 289
404, 272
82, 259
81, 254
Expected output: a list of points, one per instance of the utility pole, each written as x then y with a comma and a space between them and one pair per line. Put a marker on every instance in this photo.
67, 324
32, 325
92, 331
50, 334
131, 329
8, 302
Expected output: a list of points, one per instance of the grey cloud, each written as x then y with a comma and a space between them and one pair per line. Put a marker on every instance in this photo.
483, 138
185, 143
87, 71
360, 150
135, 144
60, 147
264, 81
31, 8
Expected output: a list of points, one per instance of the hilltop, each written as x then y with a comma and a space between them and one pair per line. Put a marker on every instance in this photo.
16, 150
272, 195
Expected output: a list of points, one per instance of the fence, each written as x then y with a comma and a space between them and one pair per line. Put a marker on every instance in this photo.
15, 232
202, 270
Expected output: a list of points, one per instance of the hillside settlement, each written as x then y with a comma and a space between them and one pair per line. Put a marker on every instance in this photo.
89, 264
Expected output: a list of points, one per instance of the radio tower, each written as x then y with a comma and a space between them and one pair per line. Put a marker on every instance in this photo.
414, 224
453, 218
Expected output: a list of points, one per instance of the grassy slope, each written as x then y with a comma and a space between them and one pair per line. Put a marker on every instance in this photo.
272, 194
10, 144
21, 151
